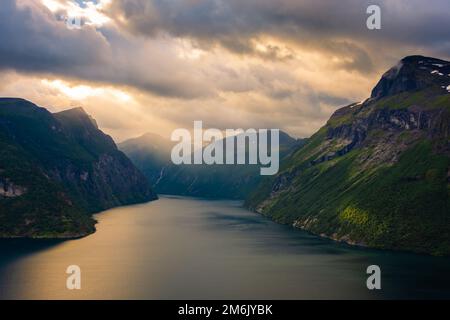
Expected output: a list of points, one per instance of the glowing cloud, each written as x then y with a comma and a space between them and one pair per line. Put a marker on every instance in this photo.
82, 92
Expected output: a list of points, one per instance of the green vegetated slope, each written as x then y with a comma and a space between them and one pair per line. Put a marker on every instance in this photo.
377, 174
57, 169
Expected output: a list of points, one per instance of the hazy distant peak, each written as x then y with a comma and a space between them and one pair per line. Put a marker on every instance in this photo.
151, 135
76, 110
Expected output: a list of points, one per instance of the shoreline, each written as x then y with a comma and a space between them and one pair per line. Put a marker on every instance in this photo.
348, 242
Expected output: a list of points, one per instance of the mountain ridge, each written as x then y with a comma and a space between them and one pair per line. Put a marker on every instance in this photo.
57, 169
378, 173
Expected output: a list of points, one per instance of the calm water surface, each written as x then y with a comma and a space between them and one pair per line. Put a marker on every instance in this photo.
185, 248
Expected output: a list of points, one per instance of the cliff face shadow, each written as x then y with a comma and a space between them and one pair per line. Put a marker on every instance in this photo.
13, 249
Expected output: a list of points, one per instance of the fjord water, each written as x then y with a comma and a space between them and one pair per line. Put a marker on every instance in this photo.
185, 248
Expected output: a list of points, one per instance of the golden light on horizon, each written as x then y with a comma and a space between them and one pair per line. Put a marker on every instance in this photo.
82, 92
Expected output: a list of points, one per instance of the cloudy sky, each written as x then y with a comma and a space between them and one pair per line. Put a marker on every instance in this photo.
155, 65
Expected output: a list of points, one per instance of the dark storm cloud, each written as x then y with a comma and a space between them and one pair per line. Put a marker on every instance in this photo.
233, 23
31, 40
413, 21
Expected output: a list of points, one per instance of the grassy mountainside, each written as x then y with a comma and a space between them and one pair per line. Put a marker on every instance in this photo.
56, 169
378, 173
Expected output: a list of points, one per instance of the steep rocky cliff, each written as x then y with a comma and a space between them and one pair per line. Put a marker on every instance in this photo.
378, 173
57, 169
151, 154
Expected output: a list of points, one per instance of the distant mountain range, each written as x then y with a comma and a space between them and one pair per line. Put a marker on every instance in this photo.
57, 169
378, 173
151, 154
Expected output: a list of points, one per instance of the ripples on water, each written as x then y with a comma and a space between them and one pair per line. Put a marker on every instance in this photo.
184, 248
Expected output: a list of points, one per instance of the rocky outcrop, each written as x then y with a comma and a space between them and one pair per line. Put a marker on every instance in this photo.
414, 119
411, 74
10, 190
